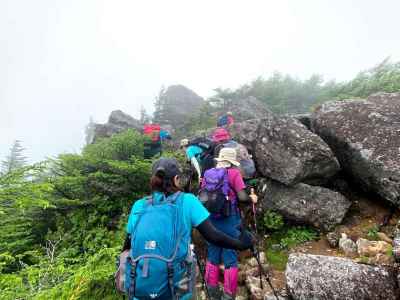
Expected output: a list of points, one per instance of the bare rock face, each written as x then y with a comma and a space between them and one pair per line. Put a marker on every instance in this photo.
304, 204
285, 150
179, 102
117, 122
326, 277
365, 137
248, 108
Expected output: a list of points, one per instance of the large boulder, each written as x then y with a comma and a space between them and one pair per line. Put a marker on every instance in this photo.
117, 122
247, 109
325, 277
305, 204
176, 104
365, 137
285, 150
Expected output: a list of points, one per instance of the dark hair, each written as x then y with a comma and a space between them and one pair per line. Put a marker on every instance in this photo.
163, 184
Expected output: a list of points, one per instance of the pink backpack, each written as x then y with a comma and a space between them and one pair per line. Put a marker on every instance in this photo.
220, 135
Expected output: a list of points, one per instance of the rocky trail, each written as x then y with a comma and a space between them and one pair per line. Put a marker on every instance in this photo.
334, 177
363, 220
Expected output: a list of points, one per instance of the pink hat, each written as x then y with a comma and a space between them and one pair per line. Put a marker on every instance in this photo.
220, 135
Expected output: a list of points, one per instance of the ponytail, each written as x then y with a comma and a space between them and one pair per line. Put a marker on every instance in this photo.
163, 184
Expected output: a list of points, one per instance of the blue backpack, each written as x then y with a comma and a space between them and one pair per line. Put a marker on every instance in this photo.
159, 265
214, 191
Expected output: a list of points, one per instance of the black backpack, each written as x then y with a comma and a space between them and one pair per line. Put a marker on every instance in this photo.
209, 148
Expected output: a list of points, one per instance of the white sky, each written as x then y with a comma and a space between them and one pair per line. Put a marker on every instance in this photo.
62, 61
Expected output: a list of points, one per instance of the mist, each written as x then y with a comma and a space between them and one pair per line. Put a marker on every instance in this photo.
63, 62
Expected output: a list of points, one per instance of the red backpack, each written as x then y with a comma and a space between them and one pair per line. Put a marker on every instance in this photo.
152, 131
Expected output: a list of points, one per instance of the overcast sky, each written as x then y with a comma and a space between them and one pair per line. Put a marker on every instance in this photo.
62, 61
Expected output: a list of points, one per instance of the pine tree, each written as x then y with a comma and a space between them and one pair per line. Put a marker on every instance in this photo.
15, 160
144, 116
159, 107
89, 131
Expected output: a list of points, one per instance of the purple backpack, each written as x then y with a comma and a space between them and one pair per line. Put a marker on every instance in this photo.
214, 191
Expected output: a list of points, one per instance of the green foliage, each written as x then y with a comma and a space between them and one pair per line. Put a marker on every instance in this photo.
277, 258
273, 220
287, 94
65, 220
372, 233
23, 194
297, 235
14, 160
278, 244
389, 252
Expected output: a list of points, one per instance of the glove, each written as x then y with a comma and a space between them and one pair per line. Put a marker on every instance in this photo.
246, 239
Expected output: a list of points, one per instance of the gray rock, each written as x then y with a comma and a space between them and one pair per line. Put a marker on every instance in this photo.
117, 122
247, 109
333, 239
285, 150
347, 245
303, 118
179, 103
325, 277
365, 137
302, 203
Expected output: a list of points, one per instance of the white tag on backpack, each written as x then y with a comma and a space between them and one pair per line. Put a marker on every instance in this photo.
150, 245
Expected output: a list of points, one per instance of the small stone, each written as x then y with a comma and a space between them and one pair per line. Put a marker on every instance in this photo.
333, 239
372, 248
383, 237
276, 247
347, 245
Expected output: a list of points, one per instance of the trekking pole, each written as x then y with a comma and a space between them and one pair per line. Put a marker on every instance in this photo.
256, 253
254, 212
201, 270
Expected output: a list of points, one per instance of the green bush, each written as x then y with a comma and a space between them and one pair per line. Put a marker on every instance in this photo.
372, 233
273, 221
63, 223
298, 235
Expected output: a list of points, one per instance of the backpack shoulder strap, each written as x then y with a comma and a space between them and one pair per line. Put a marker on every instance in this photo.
226, 186
173, 198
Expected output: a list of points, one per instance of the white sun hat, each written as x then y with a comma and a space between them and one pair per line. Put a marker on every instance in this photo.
229, 155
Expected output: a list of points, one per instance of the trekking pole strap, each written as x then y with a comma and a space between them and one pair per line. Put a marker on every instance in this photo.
132, 287
170, 270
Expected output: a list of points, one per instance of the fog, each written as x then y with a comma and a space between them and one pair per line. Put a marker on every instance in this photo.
64, 61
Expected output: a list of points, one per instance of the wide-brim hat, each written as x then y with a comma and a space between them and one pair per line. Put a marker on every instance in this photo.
229, 155
184, 142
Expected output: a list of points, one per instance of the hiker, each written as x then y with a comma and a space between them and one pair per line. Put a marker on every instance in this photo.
220, 135
225, 120
152, 146
247, 166
200, 153
165, 135
222, 188
193, 154
156, 136
222, 139
160, 262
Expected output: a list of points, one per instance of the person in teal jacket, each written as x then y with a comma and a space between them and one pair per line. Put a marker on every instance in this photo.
165, 183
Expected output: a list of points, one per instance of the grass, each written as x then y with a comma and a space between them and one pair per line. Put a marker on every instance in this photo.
277, 259
278, 244
372, 233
